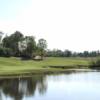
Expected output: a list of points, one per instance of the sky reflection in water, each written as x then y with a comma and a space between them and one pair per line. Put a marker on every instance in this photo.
72, 86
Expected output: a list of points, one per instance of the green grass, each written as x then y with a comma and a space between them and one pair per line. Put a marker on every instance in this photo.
16, 66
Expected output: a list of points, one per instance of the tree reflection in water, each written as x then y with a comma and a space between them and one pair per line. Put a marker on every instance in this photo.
17, 88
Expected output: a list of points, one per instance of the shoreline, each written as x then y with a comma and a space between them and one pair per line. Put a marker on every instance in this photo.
43, 72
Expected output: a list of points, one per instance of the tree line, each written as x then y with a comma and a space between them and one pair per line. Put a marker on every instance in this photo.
18, 45
68, 53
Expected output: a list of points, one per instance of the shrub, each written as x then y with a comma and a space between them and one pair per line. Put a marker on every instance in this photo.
5, 52
95, 63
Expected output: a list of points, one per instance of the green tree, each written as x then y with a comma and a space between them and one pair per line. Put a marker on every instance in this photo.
41, 46
67, 53
12, 42
28, 46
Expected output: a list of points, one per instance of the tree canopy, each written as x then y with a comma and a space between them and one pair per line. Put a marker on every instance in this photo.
19, 45
23, 46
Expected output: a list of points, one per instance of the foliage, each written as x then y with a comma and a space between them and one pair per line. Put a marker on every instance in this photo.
95, 63
12, 42
26, 46
59, 53
5, 52
23, 46
68, 53
41, 46
30, 47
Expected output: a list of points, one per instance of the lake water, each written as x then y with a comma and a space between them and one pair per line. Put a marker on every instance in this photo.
71, 86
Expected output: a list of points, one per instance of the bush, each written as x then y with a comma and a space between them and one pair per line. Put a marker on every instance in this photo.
5, 52
95, 63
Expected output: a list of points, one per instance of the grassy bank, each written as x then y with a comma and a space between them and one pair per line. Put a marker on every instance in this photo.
14, 66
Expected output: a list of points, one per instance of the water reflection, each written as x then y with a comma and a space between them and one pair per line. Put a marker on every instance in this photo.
17, 88
66, 86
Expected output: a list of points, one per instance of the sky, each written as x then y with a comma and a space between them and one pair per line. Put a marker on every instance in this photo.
65, 24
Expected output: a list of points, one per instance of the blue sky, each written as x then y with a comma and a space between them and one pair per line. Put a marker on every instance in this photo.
9, 9
65, 24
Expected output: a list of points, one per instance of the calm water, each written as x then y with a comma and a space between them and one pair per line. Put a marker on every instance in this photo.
72, 86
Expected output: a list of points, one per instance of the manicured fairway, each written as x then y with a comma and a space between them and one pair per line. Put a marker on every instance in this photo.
17, 66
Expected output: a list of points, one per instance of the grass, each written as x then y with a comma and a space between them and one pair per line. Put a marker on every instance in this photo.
13, 66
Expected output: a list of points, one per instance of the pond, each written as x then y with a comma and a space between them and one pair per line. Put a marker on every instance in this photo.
69, 86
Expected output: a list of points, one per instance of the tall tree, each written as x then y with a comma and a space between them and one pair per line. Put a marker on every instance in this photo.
42, 45
28, 46
12, 42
